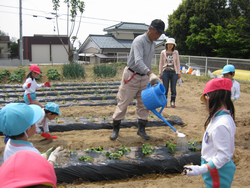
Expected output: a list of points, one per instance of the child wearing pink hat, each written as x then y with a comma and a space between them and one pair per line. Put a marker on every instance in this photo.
217, 167
17, 121
25, 169
30, 86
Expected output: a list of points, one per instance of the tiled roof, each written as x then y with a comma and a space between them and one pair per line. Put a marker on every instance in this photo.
128, 26
108, 41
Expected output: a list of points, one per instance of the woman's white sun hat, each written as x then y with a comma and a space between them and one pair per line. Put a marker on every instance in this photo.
171, 41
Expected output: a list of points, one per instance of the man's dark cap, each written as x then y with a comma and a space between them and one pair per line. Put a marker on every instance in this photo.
159, 25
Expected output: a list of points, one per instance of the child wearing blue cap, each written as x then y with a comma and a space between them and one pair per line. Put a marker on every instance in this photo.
50, 112
17, 121
229, 72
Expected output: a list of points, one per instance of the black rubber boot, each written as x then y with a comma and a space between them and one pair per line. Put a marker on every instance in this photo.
172, 102
116, 128
141, 129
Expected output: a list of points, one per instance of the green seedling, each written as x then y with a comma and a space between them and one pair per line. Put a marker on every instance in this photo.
192, 147
124, 149
170, 146
85, 158
113, 155
96, 149
147, 149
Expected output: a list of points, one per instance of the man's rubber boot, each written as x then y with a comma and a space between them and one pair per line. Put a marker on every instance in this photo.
116, 128
141, 129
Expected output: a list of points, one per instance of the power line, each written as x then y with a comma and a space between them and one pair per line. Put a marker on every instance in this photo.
101, 19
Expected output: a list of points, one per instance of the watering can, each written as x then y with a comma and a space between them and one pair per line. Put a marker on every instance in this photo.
154, 97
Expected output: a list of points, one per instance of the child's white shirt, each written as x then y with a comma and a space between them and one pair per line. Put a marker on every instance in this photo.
220, 145
43, 121
13, 146
235, 90
33, 86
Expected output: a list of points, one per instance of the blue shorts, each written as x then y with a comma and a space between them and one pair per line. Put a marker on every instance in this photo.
29, 97
219, 178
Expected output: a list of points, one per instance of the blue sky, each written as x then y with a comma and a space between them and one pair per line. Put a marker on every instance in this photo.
98, 15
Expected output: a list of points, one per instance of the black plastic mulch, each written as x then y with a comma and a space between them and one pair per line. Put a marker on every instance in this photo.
131, 164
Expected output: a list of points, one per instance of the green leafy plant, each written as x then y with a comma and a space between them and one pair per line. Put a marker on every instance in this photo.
16, 76
192, 146
113, 155
96, 149
105, 70
3, 74
170, 146
53, 74
148, 149
124, 149
85, 158
73, 70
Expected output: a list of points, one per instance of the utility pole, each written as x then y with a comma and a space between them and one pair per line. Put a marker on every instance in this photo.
21, 34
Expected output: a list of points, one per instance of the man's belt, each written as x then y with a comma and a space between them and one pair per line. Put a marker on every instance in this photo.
136, 72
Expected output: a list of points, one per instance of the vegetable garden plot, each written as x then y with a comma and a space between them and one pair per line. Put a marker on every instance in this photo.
98, 166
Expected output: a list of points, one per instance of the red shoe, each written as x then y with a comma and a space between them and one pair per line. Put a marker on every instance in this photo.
173, 104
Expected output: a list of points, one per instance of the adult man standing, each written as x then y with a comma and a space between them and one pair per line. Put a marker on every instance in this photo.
136, 76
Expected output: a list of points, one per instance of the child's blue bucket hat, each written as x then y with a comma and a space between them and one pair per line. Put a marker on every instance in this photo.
228, 68
53, 107
16, 118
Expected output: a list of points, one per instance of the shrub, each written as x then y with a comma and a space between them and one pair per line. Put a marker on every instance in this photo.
53, 74
73, 70
16, 76
3, 74
105, 70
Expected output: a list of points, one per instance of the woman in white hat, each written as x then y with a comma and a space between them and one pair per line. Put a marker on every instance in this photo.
169, 68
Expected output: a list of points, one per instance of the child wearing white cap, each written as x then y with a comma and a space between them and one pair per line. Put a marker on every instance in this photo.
50, 112
17, 121
229, 72
217, 167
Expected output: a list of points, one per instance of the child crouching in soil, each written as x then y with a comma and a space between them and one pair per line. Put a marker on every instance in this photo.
50, 112
17, 121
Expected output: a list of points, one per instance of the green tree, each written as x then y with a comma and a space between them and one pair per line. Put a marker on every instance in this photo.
74, 6
191, 17
14, 50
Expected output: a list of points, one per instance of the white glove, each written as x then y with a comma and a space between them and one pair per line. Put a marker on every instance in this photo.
153, 79
195, 170
179, 81
58, 155
233, 99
